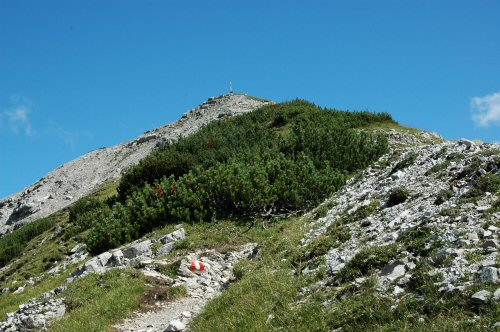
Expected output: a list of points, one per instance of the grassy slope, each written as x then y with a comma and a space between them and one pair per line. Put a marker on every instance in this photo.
40, 255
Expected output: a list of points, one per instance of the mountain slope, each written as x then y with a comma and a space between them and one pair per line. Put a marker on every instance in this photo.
410, 242
81, 176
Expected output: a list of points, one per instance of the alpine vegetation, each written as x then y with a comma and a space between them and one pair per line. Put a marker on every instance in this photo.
279, 160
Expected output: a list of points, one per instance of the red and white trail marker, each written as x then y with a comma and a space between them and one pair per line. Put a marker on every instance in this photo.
197, 266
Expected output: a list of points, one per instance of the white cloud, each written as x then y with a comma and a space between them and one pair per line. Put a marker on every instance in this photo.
18, 121
486, 110
66, 136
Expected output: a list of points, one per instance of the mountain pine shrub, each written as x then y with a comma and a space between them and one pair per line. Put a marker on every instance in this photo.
280, 159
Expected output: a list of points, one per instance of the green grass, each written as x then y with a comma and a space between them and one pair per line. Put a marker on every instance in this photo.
96, 302
12, 245
10, 302
105, 190
367, 260
443, 196
440, 167
222, 235
268, 297
39, 252
37, 248
265, 287
170, 270
37, 257
322, 210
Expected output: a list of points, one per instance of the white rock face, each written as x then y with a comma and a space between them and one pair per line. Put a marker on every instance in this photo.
81, 176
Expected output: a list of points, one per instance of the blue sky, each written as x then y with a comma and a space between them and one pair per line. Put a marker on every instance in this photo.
79, 75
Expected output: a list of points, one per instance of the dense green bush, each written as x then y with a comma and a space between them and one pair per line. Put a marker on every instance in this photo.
283, 158
326, 136
13, 244
82, 206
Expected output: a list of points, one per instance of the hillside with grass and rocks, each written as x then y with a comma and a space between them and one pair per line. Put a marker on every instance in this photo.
250, 215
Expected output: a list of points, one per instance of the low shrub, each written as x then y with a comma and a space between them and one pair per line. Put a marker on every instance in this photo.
397, 196
406, 162
13, 244
367, 260
443, 196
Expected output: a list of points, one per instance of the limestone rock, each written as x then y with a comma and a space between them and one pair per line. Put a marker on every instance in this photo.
480, 297
394, 270
489, 274
138, 249
175, 326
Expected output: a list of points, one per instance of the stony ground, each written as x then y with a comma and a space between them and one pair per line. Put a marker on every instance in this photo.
81, 176
441, 221
201, 287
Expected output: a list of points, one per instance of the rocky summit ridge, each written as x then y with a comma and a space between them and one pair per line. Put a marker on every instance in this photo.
79, 177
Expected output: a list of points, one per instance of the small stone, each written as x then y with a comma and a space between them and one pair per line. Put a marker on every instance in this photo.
496, 295
104, 258
118, 259
359, 280
165, 249
490, 245
336, 269
488, 262
398, 175
468, 144
443, 254
489, 274
398, 290
78, 248
138, 249
186, 314
19, 290
482, 208
94, 265
394, 270
177, 235
473, 237
480, 297
175, 326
